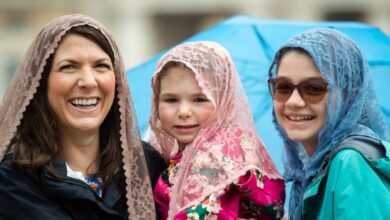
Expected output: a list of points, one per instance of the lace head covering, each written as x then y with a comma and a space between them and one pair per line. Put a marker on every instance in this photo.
227, 145
352, 104
26, 82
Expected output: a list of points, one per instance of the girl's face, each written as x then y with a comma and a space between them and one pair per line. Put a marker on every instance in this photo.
182, 107
81, 85
301, 116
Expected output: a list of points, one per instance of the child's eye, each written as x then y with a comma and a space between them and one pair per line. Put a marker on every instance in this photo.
201, 99
170, 100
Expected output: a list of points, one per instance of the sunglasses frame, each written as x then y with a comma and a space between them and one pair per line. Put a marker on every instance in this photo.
306, 96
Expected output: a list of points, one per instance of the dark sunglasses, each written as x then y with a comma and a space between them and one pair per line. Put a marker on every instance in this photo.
311, 90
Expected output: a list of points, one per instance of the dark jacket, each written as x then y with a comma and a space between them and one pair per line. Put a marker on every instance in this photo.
21, 198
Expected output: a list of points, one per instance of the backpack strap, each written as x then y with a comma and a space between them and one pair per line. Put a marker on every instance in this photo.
370, 148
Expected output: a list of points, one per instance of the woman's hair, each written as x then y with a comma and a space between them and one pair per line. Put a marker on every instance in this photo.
36, 143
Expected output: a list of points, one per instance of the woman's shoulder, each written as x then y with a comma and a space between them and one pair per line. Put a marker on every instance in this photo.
8, 169
154, 161
21, 198
12, 176
152, 154
150, 150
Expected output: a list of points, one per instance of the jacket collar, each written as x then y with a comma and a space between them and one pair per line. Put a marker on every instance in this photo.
68, 188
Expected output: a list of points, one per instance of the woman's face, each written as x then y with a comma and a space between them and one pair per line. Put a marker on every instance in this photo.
301, 118
81, 85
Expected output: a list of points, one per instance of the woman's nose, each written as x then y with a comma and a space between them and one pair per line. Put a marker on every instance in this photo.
87, 78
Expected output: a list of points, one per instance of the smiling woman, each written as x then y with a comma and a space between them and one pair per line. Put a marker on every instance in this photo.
81, 85
71, 147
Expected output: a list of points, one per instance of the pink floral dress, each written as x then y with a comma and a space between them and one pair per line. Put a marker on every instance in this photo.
252, 196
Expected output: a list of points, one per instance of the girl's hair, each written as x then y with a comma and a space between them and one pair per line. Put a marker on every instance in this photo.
286, 50
36, 143
159, 76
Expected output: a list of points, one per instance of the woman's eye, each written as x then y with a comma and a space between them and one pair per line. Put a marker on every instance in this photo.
68, 68
103, 66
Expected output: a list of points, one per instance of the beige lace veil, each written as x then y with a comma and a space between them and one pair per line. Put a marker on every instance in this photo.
26, 81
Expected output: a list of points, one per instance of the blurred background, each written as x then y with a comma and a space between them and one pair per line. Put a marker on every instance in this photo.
144, 28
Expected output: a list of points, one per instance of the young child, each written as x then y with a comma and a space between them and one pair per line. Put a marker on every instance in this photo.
201, 121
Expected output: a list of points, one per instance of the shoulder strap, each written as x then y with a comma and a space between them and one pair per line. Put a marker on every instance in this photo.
370, 148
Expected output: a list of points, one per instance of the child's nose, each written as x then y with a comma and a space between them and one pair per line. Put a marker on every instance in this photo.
184, 110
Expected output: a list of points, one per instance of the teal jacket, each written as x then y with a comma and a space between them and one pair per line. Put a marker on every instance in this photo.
356, 188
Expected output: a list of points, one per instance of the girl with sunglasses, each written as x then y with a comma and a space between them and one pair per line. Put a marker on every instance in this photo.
218, 166
326, 110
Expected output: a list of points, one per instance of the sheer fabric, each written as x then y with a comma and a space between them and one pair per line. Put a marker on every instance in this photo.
227, 145
26, 81
352, 104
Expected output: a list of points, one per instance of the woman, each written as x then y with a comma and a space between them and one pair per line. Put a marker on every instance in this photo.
70, 146
326, 110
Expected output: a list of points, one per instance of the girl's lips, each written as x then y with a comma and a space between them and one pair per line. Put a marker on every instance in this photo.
186, 128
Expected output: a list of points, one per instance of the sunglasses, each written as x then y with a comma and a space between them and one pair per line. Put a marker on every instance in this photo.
311, 90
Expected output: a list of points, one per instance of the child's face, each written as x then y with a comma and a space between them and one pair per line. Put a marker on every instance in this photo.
182, 106
301, 118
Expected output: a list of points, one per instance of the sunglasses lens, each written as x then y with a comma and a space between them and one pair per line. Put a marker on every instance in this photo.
280, 89
311, 90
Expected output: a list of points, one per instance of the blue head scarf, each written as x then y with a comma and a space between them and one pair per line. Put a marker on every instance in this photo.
352, 104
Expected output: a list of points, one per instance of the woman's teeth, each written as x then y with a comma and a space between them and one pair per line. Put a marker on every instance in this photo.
84, 102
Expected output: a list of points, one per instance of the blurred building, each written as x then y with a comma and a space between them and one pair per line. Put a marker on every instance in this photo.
143, 28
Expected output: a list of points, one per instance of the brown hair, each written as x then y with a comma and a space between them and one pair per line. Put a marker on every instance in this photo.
36, 143
287, 50
157, 84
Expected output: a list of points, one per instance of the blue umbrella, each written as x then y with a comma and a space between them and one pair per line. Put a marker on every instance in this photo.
252, 43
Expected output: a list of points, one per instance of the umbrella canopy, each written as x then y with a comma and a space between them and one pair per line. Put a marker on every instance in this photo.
252, 43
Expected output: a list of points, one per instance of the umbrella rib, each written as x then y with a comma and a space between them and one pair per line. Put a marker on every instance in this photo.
267, 47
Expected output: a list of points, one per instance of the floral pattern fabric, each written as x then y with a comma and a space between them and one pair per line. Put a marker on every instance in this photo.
250, 196
96, 185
